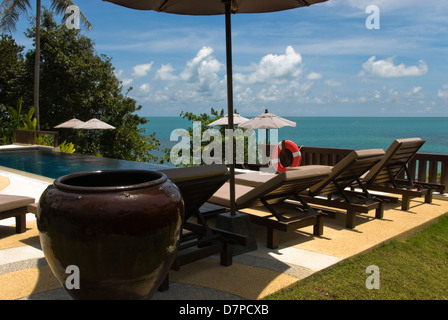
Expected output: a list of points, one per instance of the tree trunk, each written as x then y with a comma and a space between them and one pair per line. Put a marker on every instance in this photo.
37, 65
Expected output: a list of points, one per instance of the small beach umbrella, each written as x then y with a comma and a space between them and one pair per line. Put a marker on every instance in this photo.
267, 121
72, 123
217, 7
224, 121
95, 124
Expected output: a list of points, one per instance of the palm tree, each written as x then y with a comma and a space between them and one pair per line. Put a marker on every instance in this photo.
10, 11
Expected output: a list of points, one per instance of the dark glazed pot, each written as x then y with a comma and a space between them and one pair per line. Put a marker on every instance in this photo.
121, 229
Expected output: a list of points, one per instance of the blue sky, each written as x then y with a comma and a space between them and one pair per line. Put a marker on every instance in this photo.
315, 61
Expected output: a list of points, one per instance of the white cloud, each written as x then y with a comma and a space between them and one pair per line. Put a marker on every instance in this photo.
165, 73
387, 69
276, 68
414, 92
142, 70
443, 93
202, 66
144, 88
199, 83
314, 76
203, 69
125, 81
202, 81
243, 96
269, 94
333, 83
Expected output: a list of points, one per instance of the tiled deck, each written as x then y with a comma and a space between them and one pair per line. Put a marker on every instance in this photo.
24, 273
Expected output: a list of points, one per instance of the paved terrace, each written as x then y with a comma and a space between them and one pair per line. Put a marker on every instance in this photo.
24, 273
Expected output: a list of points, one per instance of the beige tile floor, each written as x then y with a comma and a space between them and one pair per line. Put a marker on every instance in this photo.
24, 273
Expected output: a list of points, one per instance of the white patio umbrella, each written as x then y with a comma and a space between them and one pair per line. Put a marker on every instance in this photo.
94, 124
224, 121
216, 7
267, 121
72, 123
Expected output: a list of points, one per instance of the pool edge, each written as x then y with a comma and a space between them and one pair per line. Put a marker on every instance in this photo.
27, 174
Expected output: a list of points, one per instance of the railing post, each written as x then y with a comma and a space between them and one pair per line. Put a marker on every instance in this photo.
28, 136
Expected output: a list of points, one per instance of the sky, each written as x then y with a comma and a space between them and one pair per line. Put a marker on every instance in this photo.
338, 58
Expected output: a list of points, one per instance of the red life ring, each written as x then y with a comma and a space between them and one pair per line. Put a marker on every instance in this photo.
295, 152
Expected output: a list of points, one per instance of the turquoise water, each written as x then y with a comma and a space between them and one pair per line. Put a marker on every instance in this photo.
344, 132
55, 164
350, 133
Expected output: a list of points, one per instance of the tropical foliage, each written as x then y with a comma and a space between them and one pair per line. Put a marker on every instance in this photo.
77, 82
202, 144
67, 147
14, 119
10, 11
188, 159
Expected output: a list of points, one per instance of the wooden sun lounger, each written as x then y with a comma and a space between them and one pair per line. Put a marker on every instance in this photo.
198, 239
333, 191
17, 207
384, 175
272, 193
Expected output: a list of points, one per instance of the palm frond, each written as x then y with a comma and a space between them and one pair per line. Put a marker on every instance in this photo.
10, 11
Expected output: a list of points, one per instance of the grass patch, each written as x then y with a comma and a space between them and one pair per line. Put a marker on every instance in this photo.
416, 269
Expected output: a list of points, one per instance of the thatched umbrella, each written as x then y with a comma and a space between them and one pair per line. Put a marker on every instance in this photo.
71, 124
95, 124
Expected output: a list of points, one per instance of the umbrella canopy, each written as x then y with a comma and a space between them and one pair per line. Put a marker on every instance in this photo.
267, 121
214, 7
94, 124
72, 123
224, 121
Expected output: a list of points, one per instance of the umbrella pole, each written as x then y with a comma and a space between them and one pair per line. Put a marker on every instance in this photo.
231, 221
230, 101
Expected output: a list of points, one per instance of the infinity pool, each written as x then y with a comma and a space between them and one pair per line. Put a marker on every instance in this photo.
44, 162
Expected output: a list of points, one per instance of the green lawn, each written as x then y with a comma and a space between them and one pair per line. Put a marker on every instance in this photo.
414, 269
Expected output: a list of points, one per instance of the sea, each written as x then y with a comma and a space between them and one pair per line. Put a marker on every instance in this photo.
333, 132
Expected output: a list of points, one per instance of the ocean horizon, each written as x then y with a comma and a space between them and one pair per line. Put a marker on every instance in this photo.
333, 132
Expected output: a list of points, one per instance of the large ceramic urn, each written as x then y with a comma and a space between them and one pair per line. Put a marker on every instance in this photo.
110, 234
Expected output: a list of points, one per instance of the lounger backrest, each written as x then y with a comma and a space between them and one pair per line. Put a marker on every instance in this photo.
197, 184
345, 172
184, 174
283, 185
396, 158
